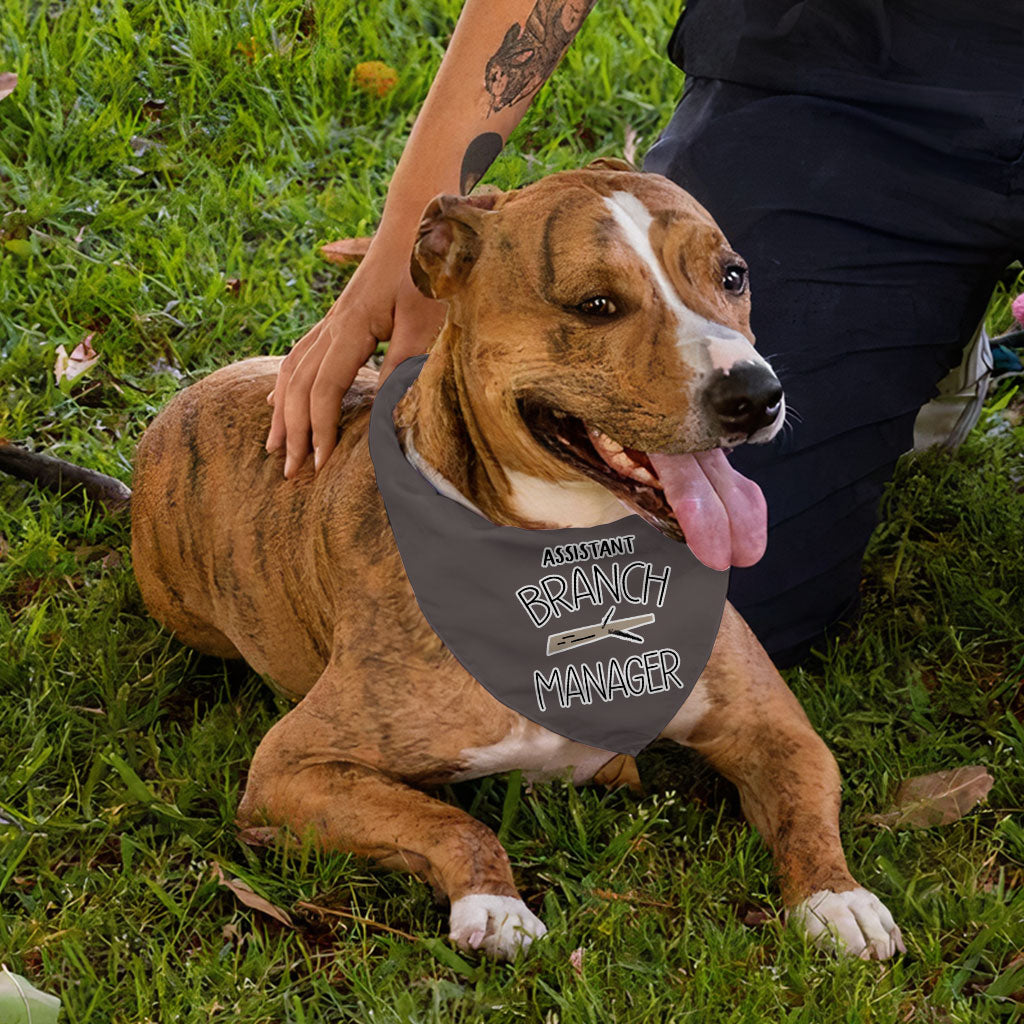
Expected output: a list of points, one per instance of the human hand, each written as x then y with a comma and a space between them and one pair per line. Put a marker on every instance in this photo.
380, 303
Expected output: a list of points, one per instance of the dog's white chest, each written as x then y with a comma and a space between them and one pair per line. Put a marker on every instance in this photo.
537, 752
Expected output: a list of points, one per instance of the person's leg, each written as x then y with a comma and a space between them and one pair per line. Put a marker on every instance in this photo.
873, 250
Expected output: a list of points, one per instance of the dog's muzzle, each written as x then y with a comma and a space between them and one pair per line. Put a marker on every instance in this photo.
745, 399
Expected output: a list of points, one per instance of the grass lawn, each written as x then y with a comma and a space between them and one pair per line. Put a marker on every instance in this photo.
167, 170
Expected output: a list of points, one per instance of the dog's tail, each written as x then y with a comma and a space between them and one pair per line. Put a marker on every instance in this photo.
62, 477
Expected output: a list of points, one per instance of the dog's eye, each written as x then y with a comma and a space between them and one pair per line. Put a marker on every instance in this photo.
734, 278
597, 305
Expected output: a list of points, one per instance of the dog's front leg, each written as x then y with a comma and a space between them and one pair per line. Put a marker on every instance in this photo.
300, 779
745, 720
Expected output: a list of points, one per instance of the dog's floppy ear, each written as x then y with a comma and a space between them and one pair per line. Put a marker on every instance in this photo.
449, 242
610, 163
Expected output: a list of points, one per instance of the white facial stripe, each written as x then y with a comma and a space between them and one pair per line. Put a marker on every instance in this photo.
704, 344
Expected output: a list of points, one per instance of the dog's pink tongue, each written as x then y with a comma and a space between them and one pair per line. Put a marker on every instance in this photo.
723, 515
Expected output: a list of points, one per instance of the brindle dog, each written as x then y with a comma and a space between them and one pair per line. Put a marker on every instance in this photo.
591, 315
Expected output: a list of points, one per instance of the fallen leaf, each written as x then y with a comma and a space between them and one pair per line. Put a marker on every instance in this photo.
576, 961
152, 108
346, 250
936, 799
112, 560
244, 894
4, 547
8, 81
163, 366
139, 145
755, 917
259, 835
22, 1003
249, 50
83, 357
375, 76
86, 553
629, 150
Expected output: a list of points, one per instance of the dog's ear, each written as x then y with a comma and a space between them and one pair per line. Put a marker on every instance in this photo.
449, 242
610, 163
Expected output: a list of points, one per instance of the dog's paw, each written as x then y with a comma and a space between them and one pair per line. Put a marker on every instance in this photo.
501, 926
855, 922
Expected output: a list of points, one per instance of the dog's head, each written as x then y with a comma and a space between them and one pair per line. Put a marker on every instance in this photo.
600, 325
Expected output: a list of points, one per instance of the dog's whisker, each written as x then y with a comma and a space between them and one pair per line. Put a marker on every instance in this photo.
793, 414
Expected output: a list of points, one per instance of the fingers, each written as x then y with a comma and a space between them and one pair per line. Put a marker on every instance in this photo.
312, 382
330, 363
276, 435
334, 377
315, 375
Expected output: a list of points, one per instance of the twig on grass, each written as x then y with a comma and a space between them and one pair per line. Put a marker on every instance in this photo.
349, 916
631, 897
60, 477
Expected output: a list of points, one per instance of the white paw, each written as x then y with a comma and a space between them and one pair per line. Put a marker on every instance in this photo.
499, 925
855, 922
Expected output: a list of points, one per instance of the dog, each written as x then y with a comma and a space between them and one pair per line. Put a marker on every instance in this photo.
598, 328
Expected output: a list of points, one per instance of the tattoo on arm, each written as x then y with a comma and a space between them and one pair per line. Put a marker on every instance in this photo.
529, 52
480, 154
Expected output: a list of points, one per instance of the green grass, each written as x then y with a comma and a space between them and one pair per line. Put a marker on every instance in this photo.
153, 151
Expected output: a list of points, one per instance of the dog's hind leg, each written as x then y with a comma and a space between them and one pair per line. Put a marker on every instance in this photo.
352, 807
751, 728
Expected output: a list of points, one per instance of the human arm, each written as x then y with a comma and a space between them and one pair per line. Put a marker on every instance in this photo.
499, 56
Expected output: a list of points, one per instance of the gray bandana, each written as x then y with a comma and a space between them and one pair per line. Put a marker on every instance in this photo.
596, 633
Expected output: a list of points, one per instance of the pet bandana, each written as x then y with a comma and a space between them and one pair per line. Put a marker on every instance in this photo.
596, 633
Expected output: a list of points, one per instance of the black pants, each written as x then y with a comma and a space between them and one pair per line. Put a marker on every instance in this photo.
874, 236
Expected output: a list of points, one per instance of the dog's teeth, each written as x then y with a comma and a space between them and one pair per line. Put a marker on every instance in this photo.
615, 456
603, 443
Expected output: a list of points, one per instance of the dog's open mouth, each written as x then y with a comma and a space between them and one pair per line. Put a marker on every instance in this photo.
698, 497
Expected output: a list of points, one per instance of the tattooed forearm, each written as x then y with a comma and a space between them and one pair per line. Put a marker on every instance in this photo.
529, 52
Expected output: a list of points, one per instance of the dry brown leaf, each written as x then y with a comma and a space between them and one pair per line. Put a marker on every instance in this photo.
259, 835
936, 799
68, 367
244, 894
112, 560
152, 108
8, 81
4, 547
629, 149
346, 250
576, 961
755, 917
86, 553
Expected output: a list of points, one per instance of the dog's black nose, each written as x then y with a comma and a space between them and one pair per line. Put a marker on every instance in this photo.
745, 399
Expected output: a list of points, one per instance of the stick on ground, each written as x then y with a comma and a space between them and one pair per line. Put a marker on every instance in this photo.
62, 477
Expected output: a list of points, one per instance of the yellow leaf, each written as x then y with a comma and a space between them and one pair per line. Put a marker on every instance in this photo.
375, 76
